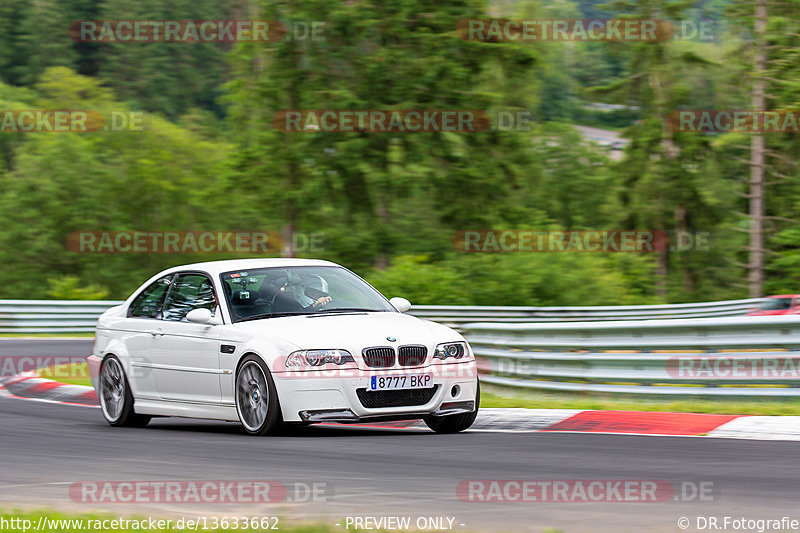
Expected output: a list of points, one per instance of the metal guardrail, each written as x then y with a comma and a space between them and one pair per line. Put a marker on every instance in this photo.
457, 315
653, 349
51, 316
74, 316
740, 356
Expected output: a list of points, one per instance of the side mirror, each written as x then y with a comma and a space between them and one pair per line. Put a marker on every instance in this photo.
401, 304
200, 316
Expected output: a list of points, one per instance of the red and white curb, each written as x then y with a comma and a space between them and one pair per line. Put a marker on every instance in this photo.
760, 428
30, 386
635, 423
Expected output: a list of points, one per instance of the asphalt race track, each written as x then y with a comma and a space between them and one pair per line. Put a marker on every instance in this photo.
372, 472
42, 347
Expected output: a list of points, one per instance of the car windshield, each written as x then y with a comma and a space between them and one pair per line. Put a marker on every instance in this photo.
776, 304
282, 291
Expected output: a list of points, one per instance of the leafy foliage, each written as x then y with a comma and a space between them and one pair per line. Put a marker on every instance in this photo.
209, 157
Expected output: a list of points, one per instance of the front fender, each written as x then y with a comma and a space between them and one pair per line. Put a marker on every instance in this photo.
271, 351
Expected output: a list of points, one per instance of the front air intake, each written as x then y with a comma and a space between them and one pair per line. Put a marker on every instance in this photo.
381, 357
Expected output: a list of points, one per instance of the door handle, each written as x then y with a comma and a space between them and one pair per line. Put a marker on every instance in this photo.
156, 332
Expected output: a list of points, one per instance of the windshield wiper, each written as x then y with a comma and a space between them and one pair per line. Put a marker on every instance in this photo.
269, 315
345, 310
352, 309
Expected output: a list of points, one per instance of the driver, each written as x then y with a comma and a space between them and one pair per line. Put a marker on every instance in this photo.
284, 298
314, 292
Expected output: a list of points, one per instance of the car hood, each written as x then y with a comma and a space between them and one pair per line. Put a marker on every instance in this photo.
352, 332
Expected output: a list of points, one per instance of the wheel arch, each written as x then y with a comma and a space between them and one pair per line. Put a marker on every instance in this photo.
244, 356
249, 356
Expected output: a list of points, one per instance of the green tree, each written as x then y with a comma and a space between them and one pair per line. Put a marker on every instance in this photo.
169, 78
404, 55
667, 183
159, 179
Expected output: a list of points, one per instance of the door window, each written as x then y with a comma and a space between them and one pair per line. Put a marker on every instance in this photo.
148, 303
189, 292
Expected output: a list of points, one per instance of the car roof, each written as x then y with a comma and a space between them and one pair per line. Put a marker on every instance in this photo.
215, 268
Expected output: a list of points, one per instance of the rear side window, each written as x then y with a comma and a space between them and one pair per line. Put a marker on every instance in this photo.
148, 303
189, 292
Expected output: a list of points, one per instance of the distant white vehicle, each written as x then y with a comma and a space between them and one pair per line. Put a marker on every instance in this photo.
269, 342
602, 141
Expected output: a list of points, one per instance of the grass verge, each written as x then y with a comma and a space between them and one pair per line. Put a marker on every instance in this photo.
48, 335
73, 374
52, 521
494, 396
55, 522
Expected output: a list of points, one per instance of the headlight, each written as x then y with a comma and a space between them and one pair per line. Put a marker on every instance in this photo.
456, 350
303, 358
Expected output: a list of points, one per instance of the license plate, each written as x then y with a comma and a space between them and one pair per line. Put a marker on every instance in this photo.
404, 381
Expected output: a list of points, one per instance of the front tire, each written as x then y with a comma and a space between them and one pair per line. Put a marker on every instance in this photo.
257, 398
455, 423
116, 398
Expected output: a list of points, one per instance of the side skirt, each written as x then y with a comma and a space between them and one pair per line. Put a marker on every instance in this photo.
185, 409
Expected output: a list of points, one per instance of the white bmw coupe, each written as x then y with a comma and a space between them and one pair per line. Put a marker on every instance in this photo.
270, 342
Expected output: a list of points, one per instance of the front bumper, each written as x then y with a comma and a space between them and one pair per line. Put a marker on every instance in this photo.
346, 416
335, 399
94, 364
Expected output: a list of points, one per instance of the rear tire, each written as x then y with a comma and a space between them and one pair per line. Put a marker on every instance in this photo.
116, 398
455, 423
257, 398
